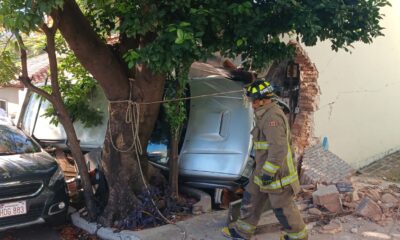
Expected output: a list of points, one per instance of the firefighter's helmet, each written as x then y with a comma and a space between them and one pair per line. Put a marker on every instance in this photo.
260, 89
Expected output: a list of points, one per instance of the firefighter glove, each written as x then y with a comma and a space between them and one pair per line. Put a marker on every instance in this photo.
266, 179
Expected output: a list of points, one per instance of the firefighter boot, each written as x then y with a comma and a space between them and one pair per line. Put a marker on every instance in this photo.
231, 233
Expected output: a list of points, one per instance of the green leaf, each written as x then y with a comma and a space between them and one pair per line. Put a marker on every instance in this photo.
180, 33
180, 36
184, 24
239, 42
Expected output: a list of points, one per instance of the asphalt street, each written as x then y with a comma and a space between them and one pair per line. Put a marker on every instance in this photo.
36, 232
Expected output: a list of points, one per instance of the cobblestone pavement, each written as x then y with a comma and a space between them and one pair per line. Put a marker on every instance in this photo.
387, 167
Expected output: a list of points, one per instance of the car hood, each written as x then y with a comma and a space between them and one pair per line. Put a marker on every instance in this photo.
26, 166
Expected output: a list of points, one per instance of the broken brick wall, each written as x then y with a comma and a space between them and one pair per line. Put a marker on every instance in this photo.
303, 126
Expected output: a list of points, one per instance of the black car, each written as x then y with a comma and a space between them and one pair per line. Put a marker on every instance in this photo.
32, 185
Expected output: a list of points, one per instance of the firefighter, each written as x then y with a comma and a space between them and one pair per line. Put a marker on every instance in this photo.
274, 181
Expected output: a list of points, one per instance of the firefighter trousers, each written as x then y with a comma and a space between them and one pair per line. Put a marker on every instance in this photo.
283, 206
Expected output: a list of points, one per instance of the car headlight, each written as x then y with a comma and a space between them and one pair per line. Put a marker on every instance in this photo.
58, 175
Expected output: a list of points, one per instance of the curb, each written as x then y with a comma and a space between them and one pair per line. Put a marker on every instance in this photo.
109, 234
102, 232
202, 206
204, 203
83, 224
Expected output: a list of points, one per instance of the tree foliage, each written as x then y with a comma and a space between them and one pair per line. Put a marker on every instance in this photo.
8, 57
169, 33
184, 31
77, 88
8, 67
76, 84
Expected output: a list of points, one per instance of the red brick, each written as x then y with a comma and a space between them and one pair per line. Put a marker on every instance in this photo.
308, 100
373, 194
389, 198
315, 211
369, 209
335, 226
328, 197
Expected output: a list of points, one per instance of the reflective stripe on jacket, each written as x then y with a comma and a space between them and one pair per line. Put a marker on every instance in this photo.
273, 152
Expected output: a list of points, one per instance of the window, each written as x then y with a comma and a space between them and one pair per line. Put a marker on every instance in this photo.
3, 108
13, 141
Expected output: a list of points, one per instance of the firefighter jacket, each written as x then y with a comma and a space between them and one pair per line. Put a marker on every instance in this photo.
272, 149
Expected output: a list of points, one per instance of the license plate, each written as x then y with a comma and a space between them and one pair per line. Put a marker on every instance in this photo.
12, 209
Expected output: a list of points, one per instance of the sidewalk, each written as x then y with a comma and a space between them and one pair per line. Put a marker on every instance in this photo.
328, 227
208, 226
388, 167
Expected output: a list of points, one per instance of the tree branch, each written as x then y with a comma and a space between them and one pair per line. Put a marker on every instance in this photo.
24, 78
53, 29
51, 52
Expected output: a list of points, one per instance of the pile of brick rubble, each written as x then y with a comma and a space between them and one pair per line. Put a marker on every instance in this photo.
375, 200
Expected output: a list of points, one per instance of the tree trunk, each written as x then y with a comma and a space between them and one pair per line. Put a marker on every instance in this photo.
174, 167
67, 123
76, 151
56, 100
121, 168
92, 52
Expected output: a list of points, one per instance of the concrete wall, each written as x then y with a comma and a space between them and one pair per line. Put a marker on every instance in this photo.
359, 105
13, 96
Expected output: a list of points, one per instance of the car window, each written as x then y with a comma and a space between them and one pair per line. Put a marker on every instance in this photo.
13, 141
157, 148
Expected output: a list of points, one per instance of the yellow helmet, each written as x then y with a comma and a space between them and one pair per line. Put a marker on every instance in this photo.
260, 89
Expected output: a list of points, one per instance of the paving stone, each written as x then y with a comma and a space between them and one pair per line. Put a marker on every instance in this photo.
384, 167
369, 209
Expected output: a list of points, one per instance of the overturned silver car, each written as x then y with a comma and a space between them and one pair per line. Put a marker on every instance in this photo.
216, 145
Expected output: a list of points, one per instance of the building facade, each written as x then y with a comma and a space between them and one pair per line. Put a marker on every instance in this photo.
360, 95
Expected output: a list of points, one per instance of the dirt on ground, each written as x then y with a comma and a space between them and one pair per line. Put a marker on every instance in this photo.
346, 228
46, 232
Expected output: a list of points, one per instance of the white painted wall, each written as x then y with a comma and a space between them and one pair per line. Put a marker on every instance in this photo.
360, 102
14, 97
